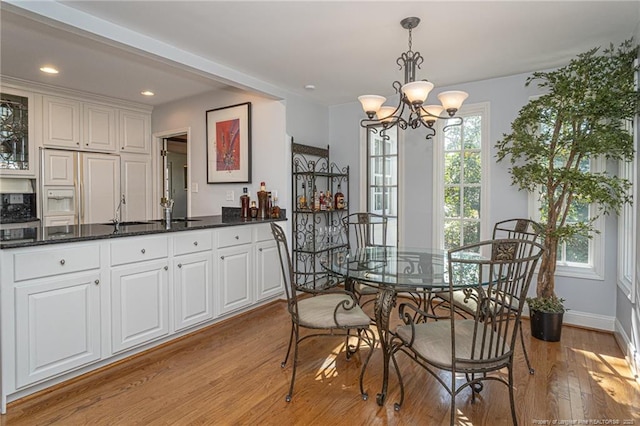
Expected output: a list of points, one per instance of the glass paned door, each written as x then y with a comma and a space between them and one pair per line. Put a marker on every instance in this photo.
382, 178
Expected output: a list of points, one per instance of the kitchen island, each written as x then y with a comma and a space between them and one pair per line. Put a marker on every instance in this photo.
77, 298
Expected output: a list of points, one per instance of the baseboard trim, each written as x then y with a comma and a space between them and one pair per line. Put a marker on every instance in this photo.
585, 320
628, 349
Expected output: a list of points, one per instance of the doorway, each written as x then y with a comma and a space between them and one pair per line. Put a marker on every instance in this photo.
175, 173
172, 174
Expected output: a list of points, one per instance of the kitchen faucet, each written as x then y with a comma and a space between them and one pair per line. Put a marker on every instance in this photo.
117, 215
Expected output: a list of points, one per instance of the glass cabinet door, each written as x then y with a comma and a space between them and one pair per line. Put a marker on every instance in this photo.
17, 156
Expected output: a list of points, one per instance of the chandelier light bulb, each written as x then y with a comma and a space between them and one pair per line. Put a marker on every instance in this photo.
417, 91
385, 114
371, 103
431, 113
452, 100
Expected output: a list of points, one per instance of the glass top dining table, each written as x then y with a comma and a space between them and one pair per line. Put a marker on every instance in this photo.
402, 269
418, 272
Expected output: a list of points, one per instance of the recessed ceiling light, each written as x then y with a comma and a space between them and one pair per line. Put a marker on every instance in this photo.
147, 93
310, 87
49, 70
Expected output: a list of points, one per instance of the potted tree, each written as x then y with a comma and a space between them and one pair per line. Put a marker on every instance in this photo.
584, 114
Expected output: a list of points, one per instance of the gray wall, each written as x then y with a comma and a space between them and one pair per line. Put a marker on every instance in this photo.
628, 308
589, 300
273, 122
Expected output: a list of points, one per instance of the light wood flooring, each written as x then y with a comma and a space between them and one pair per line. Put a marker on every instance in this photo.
229, 374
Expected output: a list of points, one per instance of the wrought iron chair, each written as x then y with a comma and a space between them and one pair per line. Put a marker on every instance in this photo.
365, 230
335, 311
465, 302
483, 343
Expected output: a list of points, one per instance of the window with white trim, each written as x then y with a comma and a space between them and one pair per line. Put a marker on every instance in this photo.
580, 256
382, 178
461, 161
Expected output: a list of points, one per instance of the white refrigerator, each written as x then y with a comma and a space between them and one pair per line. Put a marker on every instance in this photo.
79, 187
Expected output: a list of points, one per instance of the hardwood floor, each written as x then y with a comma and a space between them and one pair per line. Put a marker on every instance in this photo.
229, 374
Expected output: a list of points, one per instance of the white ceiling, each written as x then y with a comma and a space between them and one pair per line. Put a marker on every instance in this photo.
344, 48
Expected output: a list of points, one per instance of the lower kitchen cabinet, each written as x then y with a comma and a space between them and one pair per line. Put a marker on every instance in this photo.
234, 277
268, 270
72, 307
57, 326
193, 296
139, 304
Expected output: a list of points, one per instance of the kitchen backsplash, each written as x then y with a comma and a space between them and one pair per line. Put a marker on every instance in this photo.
17, 207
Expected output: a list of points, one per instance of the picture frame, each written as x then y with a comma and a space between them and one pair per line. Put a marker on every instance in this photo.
229, 144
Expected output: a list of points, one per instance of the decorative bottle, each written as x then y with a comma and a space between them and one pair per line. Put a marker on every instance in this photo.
339, 199
263, 202
316, 200
244, 203
302, 203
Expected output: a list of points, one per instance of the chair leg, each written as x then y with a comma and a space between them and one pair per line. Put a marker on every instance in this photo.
526, 355
511, 399
295, 364
453, 398
371, 339
398, 404
288, 348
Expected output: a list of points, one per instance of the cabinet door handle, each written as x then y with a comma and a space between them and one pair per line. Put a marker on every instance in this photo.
143, 251
195, 243
166, 268
62, 262
237, 237
260, 249
222, 257
179, 265
96, 282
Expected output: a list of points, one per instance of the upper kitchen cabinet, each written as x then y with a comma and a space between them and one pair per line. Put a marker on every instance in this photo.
135, 132
17, 148
72, 124
61, 122
99, 127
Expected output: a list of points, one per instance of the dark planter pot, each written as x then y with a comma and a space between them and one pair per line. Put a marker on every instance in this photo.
546, 326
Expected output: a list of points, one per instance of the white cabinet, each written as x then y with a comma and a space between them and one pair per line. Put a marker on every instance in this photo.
192, 278
99, 127
136, 186
139, 291
139, 304
70, 123
234, 269
100, 187
135, 133
268, 272
57, 326
58, 167
193, 283
61, 122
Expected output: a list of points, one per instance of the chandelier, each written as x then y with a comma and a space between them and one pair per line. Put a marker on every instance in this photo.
413, 95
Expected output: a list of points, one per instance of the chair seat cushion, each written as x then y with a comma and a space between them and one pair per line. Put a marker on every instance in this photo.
433, 343
365, 289
318, 312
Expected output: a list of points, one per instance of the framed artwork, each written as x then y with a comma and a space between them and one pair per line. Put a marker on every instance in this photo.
229, 144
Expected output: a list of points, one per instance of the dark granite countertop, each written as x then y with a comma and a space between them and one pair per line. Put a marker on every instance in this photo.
37, 236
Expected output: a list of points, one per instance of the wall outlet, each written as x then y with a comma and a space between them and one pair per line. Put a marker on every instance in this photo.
230, 196
16, 199
194, 187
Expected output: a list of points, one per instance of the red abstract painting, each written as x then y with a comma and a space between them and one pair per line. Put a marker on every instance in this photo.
228, 145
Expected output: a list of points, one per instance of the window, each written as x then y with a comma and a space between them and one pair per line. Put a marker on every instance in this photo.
580, 256
382, 178
460, 167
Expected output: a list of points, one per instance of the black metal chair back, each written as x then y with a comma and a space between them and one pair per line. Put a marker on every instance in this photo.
366, 229
287, 269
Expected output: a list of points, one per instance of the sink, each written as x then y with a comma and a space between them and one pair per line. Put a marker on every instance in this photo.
126, 223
